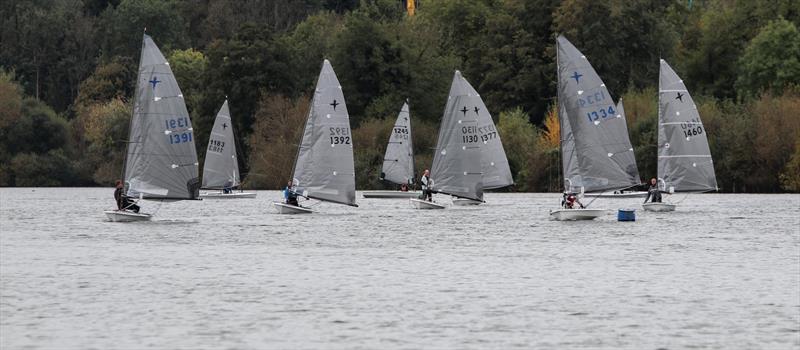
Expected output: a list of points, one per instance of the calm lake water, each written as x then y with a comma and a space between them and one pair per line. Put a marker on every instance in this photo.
722, 272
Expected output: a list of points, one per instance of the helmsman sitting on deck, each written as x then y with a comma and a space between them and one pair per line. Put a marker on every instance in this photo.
653, 192
290, 195
123, 202
427, 185
569, 201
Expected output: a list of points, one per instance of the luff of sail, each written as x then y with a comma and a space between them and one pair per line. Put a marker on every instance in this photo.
456, 166
324, 167
220, 168
495, 170
398, 161
593, 122
161, 160
684, 158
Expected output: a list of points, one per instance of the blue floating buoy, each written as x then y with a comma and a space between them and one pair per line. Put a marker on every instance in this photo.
626, 215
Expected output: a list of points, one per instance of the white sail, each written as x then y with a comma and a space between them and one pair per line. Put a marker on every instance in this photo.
161, 160
324, 168
220, 168
684, 159
398, 161
596, 132
456, 166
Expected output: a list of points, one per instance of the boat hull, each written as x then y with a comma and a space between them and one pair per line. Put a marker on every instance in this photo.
126, 216
576, 214
284, 208
220, 195
658, 207
422, 204
463, 202
390, 194
635, 194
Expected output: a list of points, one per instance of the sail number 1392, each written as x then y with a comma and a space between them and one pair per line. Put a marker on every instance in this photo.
340, 136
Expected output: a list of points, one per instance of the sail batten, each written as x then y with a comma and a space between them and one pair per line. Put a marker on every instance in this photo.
596, 150
456, 166
161, 160
221, 168
398, 161
684, 158
324, 167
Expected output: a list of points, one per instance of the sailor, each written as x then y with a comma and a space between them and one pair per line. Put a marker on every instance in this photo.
403, 188
123, 202
569, 201
653, 192
290, 195
227, 187
427, 185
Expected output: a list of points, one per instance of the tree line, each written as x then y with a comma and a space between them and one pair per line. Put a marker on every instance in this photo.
68, 68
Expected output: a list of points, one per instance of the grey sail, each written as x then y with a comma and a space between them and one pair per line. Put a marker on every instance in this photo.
598, 131
569, 160
398, 162
494, 164
622, 152
324, 167
456, 166
684, 159
161, 160
221, 168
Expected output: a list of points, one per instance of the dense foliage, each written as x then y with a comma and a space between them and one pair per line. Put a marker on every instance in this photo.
67, 71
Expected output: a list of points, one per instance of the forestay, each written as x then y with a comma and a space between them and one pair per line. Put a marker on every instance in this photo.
684, 159
324, 166
161, 160
494, 165
456, 166
398, 162
221, 168
598, 132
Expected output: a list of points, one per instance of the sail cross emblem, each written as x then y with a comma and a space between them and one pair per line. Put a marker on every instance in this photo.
154, 82
577, 77
334, 104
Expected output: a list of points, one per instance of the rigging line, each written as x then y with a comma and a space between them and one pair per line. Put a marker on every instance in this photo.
684, 198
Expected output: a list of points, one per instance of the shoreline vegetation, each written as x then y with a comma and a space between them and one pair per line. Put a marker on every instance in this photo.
68, 67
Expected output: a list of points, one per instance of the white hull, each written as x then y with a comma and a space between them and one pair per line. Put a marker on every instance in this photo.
390, 194
576, 214
465, 202
634, 194
422, 204
126, 216
233, 195
658, 207
284, 208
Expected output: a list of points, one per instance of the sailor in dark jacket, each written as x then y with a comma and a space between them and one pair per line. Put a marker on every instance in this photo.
653, 192
123, 202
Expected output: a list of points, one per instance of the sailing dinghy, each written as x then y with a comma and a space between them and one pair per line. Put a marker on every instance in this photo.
456, 166
495, 171
398, 161
324, 168
221, 169
160, 160
593, 151
684, 159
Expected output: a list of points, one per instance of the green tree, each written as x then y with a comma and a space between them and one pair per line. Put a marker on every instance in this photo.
771, 60
519, 141
123, 26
